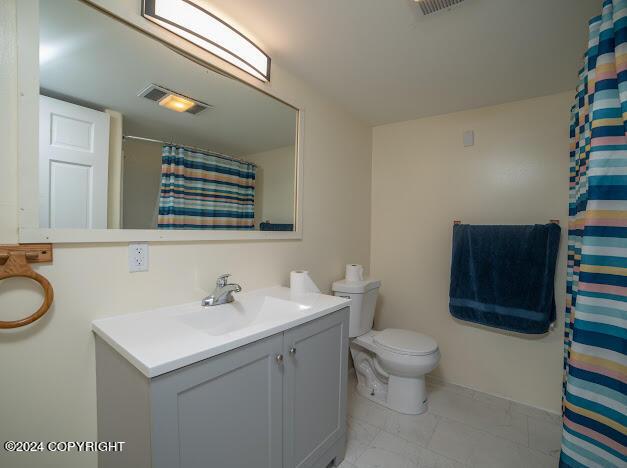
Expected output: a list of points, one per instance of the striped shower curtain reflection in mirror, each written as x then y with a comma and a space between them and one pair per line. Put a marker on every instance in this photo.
201, 190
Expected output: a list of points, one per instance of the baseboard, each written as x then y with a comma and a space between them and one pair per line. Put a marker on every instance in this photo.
437, 381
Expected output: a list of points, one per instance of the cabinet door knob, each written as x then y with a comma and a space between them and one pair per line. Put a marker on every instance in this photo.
279, 358
292, 350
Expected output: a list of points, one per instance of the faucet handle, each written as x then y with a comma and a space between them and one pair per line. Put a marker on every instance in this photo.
222, 279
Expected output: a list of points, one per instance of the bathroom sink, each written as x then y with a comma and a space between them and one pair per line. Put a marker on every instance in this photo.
162, 340
251, 310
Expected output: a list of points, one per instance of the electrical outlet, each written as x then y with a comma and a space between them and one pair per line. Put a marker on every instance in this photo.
138, 257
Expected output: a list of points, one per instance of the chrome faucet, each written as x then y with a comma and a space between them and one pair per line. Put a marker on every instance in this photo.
223, 292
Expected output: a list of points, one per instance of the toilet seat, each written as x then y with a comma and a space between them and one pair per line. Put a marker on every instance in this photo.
405, 342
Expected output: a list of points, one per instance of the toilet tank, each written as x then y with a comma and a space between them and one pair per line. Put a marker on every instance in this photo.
364, 297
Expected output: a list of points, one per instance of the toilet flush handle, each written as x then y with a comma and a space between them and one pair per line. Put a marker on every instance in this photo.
292, 350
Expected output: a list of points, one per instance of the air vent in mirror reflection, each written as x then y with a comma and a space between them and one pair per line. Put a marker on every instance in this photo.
197, 109
155, 94
429, 7
158, 93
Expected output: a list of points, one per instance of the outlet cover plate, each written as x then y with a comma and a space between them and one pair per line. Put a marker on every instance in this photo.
138, 257
469, 138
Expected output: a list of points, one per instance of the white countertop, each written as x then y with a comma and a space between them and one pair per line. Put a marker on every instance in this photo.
162, 340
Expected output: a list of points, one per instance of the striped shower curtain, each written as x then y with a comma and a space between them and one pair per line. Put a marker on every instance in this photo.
595, 342
201, 190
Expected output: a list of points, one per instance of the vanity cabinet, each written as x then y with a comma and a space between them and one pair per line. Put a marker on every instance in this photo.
226, 410
314, 383
277, 402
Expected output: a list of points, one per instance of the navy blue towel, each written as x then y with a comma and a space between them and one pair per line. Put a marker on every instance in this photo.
268, 226
503, 276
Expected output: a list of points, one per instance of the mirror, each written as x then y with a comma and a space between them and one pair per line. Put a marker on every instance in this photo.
135, 135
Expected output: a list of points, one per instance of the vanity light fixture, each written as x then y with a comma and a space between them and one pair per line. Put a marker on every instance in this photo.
192, 22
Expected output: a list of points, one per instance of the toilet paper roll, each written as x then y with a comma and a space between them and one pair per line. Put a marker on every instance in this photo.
354, 272
301, 282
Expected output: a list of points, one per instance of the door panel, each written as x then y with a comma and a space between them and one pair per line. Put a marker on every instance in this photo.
73, 165
71, 133
70, 187
224, 412
315, 388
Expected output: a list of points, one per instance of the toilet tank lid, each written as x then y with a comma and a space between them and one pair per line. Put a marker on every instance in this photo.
355, 287
406, 342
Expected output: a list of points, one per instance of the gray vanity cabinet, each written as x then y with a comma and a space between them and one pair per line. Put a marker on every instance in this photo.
279, 402
224, 412
314, 389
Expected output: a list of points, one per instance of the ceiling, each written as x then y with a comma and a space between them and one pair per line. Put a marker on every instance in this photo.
91, 60
384, 62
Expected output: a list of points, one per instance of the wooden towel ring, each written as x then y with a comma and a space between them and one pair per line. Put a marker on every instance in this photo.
16, 265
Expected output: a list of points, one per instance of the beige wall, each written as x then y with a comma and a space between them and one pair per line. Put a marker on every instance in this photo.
47, 373
141, 181
274, 189
423, 179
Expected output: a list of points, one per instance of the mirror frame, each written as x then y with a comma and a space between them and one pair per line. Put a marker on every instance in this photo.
126, 12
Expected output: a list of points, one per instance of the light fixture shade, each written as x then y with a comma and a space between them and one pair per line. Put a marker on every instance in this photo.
195, 24
176, 103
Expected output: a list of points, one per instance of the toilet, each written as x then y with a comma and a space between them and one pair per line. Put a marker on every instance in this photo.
390, 364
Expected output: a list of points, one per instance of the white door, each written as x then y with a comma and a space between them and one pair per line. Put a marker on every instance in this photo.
73, 165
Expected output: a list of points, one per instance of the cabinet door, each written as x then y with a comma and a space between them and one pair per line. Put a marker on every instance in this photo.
315, 388
224, 412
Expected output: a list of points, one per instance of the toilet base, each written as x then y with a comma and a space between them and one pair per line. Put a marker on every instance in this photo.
401, 397
377, 397
407, 395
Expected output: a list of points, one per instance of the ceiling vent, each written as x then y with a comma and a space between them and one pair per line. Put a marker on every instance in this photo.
430, 7
163, 95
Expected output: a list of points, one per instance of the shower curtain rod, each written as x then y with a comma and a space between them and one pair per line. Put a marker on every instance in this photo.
194, 148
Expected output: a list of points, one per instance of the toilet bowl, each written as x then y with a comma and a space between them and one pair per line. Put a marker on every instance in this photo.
392, 374
390, 364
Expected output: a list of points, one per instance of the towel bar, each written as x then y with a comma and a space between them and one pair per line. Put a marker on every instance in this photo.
16, 259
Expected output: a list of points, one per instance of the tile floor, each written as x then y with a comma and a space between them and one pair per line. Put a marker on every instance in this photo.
462, 428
